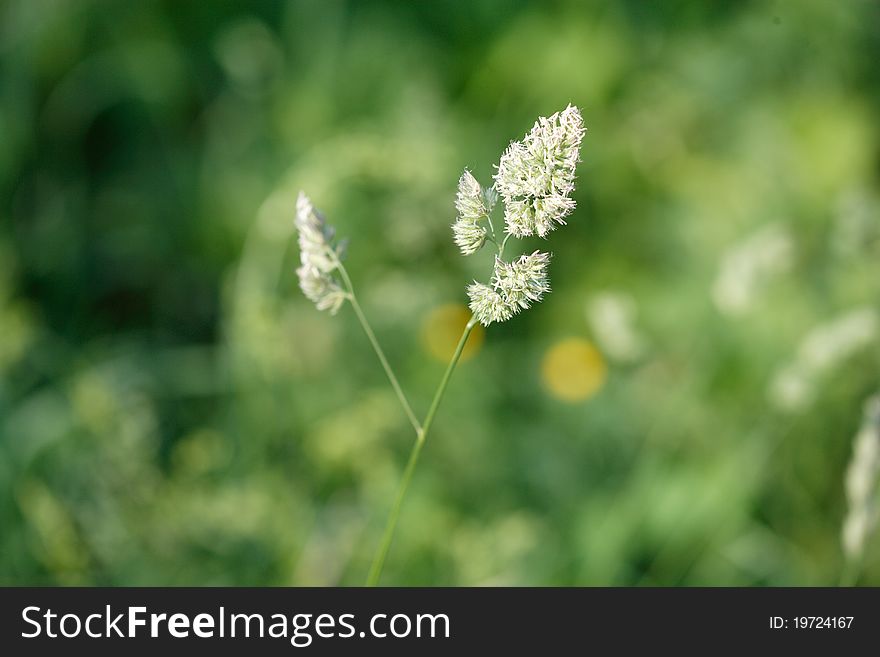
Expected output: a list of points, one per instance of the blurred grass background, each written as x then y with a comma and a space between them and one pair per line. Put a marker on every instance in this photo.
679, 411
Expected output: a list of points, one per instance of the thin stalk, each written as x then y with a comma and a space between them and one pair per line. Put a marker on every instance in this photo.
492, 228
381, 354
502, 245
438, 396
421, 435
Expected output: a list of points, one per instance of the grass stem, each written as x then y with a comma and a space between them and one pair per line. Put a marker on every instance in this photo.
378, 349
388, 534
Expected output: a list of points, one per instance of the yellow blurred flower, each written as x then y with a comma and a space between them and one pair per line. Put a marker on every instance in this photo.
573, 369
442, 328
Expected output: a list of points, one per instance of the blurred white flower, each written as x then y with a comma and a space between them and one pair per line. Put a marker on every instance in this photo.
792, 387
612, 317
319, 257
822, 349
516, 286
830, 343
536, 176
856, 223
862, 478
748, 266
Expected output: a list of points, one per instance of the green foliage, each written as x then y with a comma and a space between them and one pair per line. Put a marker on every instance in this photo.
173, 411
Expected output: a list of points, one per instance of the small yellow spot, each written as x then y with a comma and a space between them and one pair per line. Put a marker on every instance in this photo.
573, 369
442, 329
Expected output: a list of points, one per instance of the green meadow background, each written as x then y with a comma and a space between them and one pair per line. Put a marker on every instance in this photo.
679, 411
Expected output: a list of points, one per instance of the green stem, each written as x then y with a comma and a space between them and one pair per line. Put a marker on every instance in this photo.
421, 434
391, 523
438, 396
381, 354
502, 245
492, 228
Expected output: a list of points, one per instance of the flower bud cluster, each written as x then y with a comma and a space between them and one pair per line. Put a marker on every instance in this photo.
536, 176
515, 286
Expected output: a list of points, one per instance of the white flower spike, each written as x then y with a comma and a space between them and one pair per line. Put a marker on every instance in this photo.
473, 204
515, 287
523, 281
319, 258
487, 305
536, 176
469, 236
535, 179
469, 201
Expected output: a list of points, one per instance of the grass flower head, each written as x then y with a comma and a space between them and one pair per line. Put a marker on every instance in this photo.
536, 175
473, 204
515, 287
319, 258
